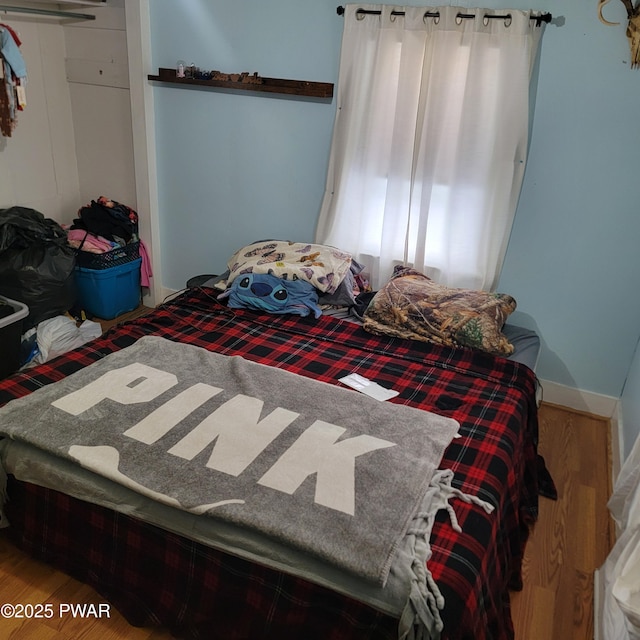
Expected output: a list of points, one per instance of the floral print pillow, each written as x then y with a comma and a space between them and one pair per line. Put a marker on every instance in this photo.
323, 266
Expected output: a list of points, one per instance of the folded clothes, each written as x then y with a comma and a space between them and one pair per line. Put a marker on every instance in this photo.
81, 239
108, 218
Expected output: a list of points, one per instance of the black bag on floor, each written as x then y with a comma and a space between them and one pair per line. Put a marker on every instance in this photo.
36, 264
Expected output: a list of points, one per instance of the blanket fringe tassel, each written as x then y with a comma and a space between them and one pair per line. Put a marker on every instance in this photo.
421, 618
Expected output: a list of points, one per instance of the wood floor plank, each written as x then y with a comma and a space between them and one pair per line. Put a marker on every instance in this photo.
538, 626
572, 536
24, 580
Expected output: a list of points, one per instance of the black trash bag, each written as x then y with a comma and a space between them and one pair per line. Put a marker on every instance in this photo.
36, 264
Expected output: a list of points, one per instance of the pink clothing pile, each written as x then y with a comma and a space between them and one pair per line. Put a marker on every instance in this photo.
80, 239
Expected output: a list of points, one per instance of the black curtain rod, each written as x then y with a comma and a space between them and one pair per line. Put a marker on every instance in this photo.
543, 17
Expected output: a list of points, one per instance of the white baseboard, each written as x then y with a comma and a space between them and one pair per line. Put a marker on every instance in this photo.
595, 404
149, 301
617, 444
168, 293
587, 401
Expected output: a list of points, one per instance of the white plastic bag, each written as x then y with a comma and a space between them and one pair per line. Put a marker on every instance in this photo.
61, 334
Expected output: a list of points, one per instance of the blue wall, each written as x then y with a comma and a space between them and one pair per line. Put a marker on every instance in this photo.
234, 168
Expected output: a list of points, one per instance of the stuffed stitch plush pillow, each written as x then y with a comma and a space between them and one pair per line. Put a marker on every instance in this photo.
266, 292
412, 306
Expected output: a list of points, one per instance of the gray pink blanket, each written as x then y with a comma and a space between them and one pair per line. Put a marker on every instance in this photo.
322, 468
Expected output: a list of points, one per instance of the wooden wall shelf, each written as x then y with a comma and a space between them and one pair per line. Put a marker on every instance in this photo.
268, 85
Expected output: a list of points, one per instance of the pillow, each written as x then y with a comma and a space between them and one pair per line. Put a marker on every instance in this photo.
345, 295
412, 306
323, 266
266, 292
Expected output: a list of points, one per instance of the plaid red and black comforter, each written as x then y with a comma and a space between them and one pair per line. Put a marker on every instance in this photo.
155, 577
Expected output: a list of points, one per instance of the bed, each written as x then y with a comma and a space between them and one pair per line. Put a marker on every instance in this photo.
159, 568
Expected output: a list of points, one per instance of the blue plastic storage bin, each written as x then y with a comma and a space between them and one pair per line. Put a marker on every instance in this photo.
107, 293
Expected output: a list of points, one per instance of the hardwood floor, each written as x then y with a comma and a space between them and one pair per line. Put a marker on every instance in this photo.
573, 535
23, 580
571, 539
136, 313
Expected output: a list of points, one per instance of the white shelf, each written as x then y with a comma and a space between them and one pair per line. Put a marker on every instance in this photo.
59, 9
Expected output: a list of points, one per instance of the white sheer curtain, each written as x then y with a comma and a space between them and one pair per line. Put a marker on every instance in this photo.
430, 140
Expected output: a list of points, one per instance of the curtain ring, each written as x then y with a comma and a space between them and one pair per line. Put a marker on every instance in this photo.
485, 20
360, 14
435, 15
508, 20
459, 19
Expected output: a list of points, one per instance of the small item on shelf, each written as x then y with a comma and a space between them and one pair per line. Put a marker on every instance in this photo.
243, 77
253, 79
180, 68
